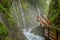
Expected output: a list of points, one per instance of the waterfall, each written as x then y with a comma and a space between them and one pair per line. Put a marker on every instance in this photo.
26, 31
29, 21
22, 13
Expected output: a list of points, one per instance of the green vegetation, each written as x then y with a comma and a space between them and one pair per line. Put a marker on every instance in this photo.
54, 11
6, 3
8, 38
3, 29
4, 8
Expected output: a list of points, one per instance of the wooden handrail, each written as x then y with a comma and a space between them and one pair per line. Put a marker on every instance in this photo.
50, 34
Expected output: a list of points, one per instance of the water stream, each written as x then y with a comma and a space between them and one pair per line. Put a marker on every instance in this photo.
31, 36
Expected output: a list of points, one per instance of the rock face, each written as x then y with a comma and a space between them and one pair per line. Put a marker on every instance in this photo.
1, 15
38, 31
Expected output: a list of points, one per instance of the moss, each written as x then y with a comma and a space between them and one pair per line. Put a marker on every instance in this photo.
10, 20
8, 38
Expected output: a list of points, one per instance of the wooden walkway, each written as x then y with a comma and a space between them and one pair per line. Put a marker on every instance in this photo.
51, 33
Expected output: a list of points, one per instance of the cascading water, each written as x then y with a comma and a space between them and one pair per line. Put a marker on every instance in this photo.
31, 36
26, 31
22, 13
29, 21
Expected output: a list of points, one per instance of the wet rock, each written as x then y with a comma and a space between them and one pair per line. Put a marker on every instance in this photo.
38, 31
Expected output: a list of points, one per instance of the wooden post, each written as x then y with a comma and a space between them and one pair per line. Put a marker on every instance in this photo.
56, 34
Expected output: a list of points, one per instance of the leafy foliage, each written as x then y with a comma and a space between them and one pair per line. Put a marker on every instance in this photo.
6, 3
53, 11
3, 29
44, 6
4, 7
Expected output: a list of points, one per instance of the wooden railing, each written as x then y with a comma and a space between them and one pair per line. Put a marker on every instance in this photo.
50, 34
